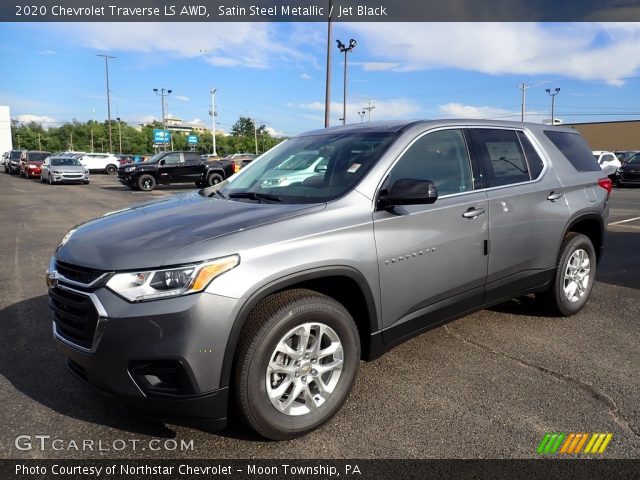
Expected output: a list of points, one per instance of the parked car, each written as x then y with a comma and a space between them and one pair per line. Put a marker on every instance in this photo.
608, 162
63, 169
272, 296
629, 172
12, 164
30, 163
100, 162
5, 156
165, 168
625, 155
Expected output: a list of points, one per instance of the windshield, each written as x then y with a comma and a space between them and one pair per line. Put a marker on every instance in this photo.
57, 162
15, 154
38, 156
155, 158
345, 159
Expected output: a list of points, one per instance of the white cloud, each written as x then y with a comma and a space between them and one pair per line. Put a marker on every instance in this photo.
588, 51
182, 98
305, 76
45, 120
460, 110
47, 52
276, 133
229, 44
378, 66
195, 121
398, 108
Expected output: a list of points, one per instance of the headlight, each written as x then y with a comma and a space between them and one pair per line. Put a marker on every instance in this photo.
129, 169
55, 171
86, 172
156, 284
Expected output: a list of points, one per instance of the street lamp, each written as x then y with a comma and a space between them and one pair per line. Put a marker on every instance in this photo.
213, 120
162, 93
361, 116
106, 66
345, 49
119, 134
553, 103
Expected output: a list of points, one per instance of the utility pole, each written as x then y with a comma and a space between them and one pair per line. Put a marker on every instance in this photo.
553, 103
361, 116
18, 141
106, 66
345, 49
162, 93
91, 132
327, 91
523, 86
39, 143
213, 120
119, 134
369, 108
255, 135
72, 140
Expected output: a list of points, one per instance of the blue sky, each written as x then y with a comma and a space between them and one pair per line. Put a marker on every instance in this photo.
275, 72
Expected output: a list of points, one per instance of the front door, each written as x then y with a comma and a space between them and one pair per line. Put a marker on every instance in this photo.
170, 168
432, 258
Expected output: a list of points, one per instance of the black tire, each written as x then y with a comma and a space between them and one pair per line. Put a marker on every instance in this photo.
555, 298
111, 169
146, 182
266, 326
214, 179
50, 179
86, 182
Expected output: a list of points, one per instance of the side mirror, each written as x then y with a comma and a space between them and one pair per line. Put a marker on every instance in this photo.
320, 169
408, 192
163, 161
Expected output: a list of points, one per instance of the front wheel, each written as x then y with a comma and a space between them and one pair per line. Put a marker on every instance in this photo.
296, 363
146, 183
575, 274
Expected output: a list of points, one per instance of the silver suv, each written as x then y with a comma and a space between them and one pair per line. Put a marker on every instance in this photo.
271, 296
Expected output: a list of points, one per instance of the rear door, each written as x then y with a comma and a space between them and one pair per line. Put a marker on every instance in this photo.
191, 168
527, 211
431, 258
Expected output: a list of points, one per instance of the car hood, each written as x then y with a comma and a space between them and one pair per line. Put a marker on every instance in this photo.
144, 236
630, 167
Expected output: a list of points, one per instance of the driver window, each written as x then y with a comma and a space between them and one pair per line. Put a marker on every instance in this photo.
172, 159
441, 157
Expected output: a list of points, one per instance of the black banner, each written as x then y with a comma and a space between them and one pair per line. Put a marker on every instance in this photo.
325, 469
320, 10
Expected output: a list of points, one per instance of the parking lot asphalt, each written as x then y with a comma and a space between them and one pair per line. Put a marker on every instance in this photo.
489, 385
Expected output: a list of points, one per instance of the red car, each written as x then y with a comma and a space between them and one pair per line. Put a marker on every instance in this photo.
30, 163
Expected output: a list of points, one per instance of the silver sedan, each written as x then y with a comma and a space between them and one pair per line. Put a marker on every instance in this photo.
61, 169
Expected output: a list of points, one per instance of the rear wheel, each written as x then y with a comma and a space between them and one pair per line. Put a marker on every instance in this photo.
214, 179
112, 169
575, 274
146, 182
296, 363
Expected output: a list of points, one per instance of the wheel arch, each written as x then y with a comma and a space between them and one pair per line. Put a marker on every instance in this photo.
591, 225
344, 284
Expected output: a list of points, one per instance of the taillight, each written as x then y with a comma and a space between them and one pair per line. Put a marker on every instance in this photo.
606, 184
236, 167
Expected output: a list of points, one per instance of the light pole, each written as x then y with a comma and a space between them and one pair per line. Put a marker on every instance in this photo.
213, 120
162, 93
327, 91
119, 134
345, 49
523, 86
106, 66
553, 103
361, 116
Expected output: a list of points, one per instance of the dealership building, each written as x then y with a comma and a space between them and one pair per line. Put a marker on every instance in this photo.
621, 135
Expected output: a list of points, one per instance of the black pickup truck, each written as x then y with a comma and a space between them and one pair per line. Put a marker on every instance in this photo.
166, 168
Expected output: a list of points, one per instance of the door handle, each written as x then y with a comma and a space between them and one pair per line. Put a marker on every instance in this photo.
553, 196
473, 212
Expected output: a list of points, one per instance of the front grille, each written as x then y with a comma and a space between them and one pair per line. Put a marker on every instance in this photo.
74, 315
630, 176
78, 274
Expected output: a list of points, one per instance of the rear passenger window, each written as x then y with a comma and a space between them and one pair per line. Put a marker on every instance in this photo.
533, 159
500, 156
441, 157
575, 149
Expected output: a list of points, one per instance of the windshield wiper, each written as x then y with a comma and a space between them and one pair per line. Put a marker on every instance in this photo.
218, 193
256, 196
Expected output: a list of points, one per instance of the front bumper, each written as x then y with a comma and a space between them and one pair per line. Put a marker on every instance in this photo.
134, 343
69, 178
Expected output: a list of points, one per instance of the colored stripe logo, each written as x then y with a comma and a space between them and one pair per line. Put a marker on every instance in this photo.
574, 443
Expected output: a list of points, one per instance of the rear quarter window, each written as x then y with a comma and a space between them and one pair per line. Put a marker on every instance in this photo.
575, 149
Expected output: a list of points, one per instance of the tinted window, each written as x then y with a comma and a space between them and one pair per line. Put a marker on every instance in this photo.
501, 156
441, 157
635, 160
192, 157
533, 159
15, 154
607, 158
38, 156
172, 159
575, 149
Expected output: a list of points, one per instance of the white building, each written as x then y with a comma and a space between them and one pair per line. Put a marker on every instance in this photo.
5, 129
